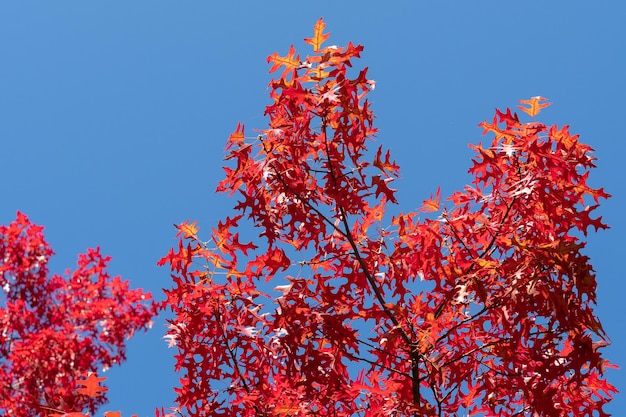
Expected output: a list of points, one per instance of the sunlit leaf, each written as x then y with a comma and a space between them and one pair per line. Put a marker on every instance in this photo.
91, 386
318, 36
187, 230
535, 104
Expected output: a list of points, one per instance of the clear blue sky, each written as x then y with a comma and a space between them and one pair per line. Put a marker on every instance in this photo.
114, 115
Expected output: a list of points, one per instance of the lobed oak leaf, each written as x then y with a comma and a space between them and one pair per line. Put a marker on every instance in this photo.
243, 247
187, 230
270, 262
385, 165
290, 61
318, 36
92, 386
494, 128
382, 188
535, 105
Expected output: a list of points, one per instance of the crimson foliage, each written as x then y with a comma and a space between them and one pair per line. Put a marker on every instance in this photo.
55, 329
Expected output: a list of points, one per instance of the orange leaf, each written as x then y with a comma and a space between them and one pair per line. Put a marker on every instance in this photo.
112, 414
188, 230
236, 137
318, 37
535, 105
486, 264
494, 128
289, 61
432, 204
92, 386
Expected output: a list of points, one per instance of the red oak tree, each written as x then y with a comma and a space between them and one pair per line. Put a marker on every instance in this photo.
56, 329
481, 304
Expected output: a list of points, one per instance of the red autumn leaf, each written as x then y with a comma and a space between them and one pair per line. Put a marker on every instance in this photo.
386, 166
381, 186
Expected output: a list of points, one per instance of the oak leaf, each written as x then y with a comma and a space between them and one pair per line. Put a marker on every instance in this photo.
318, 36
535, 105
290, 61
187, 230
91, 386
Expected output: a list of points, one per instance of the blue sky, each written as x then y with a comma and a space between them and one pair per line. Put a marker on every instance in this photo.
114, 115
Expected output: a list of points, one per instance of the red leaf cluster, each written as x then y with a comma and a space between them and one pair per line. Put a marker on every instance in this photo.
337, 310
55, 329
